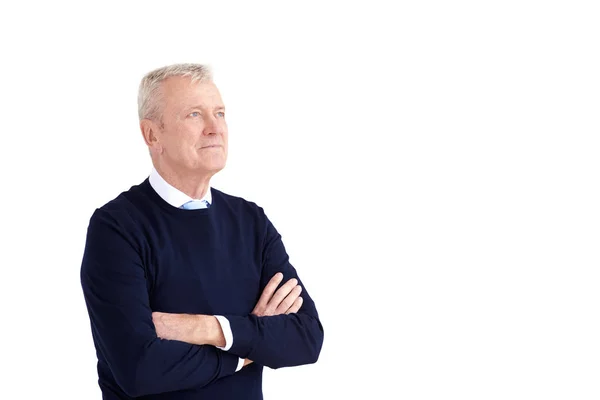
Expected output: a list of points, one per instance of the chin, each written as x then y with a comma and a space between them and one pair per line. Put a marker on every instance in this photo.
212, 166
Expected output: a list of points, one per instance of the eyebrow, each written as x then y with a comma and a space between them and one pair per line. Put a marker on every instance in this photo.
218, 108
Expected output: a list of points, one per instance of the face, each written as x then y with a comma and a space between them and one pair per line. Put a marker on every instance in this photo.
192, 137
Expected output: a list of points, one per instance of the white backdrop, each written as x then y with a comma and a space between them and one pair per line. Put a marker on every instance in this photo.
432, 166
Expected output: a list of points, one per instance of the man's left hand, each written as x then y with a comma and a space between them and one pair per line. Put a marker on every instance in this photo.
286, 300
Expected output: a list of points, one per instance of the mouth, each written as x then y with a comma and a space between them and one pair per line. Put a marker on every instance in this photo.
214, 146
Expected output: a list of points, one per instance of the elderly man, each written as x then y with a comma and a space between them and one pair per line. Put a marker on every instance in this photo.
189, 290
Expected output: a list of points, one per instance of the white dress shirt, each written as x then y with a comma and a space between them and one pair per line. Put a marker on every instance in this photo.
177, 198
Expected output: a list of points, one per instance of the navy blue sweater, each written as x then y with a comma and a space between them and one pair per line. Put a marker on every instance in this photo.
143, 255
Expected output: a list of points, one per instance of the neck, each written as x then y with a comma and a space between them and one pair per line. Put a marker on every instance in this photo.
192, 183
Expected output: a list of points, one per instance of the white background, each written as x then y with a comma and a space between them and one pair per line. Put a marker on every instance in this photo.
433, 168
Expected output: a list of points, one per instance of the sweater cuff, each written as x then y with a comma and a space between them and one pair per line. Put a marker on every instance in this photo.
245, 332
229, 364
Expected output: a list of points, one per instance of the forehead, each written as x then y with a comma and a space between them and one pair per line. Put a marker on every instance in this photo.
181, 92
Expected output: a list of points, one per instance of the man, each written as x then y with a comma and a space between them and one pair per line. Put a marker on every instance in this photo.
189, 290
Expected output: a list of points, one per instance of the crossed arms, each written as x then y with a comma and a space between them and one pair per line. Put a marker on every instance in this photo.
206, 330
142, 362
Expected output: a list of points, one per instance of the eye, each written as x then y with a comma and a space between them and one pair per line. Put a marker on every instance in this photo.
194, 114
221, 114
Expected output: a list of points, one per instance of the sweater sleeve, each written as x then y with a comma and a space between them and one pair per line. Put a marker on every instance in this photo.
281, 340
113, 280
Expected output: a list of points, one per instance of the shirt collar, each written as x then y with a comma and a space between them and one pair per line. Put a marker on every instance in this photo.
171, 195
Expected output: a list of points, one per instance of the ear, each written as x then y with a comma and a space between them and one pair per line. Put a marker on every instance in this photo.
150, 130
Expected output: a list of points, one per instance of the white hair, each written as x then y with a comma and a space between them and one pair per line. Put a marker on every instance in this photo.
149, 91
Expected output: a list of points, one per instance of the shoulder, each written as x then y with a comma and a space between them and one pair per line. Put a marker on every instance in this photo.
240, 208
236, 202
122, 208
247, 211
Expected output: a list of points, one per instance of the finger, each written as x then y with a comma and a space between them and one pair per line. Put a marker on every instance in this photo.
281, 294
268, 291
289, 300
296, 306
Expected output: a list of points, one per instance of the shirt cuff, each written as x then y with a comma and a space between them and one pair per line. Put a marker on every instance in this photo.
226, 328
240, 364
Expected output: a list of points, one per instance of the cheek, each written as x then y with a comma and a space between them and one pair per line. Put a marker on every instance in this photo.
180, 147
186, 140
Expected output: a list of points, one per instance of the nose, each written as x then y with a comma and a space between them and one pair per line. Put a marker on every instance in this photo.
213, 126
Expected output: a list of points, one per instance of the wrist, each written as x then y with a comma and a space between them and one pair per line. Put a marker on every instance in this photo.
208, 331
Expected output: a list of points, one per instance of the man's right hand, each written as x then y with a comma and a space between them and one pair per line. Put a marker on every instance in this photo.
286, 300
